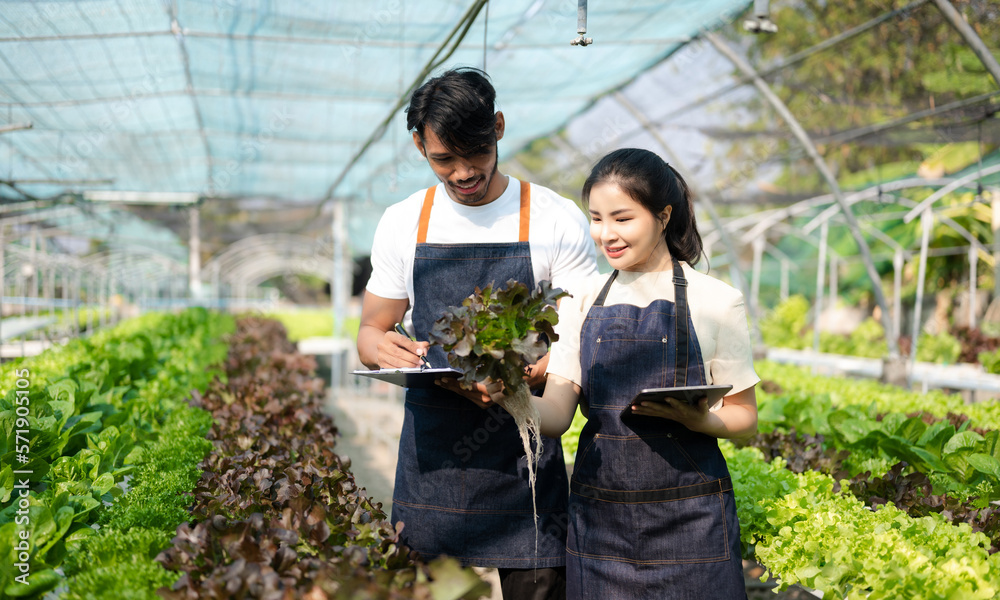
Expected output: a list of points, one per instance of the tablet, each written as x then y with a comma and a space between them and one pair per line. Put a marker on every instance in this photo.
410, 377
690, 394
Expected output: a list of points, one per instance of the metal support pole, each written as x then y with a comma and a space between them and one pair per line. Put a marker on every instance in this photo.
105, 306
338, 291
820, 271
834, 266
972, 40
216, 290
194, 251
21, 290
3, 270
784, 279
33, 290
92, 311
49, 294
824, 169
76, 304
50, 289
897, 294
581, 25
995, 226
113, 290
758, 259
973, 263
926, 224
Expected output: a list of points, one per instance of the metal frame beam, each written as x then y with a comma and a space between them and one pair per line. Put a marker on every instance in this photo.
951, 187
971, 38
762, 86
268, 243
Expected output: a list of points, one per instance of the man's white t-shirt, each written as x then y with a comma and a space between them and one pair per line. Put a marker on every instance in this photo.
717, 312
562, 251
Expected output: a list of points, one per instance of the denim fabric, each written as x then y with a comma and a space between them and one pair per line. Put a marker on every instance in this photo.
462, 478
533, 584
652, 511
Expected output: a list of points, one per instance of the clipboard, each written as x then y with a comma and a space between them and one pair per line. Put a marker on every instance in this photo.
414, 377
691, 395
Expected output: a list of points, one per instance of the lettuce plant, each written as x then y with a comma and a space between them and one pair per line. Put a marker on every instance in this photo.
495, 334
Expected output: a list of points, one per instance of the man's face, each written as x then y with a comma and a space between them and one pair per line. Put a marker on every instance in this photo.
469, 180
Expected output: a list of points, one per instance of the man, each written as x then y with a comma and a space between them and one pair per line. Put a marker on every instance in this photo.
461, 480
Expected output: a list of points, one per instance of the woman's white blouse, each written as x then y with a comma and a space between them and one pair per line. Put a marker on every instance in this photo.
717, 311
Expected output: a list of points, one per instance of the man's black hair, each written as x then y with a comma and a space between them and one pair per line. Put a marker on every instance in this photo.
458, 106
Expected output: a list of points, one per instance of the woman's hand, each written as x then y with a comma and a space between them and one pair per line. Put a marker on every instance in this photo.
694, 417
736, 418
534, 375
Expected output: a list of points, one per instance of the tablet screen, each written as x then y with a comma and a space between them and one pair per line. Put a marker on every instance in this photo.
690, 394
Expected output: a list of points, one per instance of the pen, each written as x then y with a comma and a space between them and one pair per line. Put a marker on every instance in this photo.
402, 332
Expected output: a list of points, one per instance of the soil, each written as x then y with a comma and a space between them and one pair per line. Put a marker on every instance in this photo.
369, 419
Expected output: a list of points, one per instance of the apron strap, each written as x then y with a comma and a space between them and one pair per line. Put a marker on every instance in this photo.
525, 213
604, 291
681, 326
681, 332
425, 215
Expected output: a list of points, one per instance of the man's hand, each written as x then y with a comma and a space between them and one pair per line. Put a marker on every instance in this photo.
479, 395
378, 343
399, 351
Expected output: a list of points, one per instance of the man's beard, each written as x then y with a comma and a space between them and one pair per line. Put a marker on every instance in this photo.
487, 181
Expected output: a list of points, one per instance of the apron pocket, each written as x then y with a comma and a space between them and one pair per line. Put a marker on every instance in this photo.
632, 526
641, 499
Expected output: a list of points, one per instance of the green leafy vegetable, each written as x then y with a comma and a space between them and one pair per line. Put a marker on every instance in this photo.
495, 334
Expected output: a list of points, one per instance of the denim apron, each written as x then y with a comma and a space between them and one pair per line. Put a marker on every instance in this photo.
462, 476
652, 511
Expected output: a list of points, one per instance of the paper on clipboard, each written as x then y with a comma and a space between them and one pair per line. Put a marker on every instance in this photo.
414, 377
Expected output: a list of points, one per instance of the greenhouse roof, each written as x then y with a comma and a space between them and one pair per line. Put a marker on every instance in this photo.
267, 99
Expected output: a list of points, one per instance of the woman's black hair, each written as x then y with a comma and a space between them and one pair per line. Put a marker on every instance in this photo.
458, 106
653, 183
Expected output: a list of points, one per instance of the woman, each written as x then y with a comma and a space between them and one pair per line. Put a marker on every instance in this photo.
652, 511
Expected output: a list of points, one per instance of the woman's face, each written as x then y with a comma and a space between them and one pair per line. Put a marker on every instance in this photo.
630, 236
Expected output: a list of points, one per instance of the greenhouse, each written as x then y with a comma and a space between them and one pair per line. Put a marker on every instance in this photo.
210, 310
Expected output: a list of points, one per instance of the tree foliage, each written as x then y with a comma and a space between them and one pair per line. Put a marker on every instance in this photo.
911, 62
